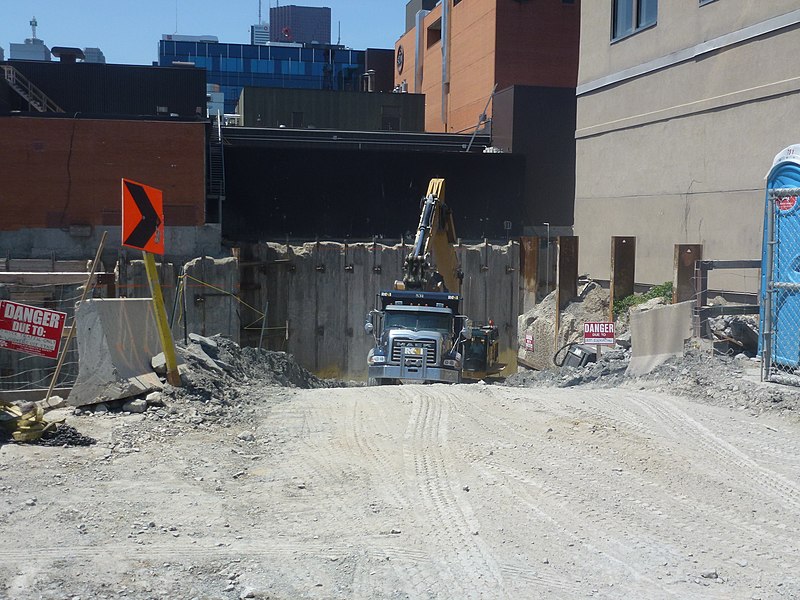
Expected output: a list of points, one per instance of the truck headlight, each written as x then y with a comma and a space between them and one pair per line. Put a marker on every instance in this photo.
450, 362
378, 359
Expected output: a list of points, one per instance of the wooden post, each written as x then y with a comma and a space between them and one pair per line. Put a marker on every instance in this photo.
566, 275
71, 333
164, 332
683, 279
529, 271
623, 267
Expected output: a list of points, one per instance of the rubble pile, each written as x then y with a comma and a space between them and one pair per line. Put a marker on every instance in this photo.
66, 436
592, 304
700, 374
738, 333
212, 364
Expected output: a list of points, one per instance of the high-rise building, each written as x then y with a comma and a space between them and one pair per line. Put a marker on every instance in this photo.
32, 49
259, 33
304, 24
94, 55
235, 66
2, 54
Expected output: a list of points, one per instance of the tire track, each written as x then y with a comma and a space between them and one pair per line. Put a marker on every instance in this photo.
473, 572
748, 470
649, 504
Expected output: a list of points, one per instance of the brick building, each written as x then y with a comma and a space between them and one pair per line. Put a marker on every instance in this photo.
458, 51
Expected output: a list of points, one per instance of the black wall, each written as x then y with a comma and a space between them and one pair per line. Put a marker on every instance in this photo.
538, 123
98, 88
330, 194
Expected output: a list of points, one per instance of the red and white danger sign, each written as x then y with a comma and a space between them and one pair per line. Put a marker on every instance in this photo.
529, 342
598, 333
30, 329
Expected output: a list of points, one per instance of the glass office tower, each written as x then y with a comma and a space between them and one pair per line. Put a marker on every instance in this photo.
234, 66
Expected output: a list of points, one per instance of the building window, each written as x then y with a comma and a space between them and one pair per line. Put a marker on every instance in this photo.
434, 32
706, 2
629, 16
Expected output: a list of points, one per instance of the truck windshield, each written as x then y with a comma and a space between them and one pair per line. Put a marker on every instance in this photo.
418, 321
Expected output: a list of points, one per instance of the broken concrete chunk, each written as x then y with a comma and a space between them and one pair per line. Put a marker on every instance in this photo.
159, 364
137, 405
155, 399
206, 342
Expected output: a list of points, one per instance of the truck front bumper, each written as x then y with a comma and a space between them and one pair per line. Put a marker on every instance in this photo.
422, 373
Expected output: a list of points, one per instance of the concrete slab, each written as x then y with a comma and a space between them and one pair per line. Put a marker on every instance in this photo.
658, 335
117, 338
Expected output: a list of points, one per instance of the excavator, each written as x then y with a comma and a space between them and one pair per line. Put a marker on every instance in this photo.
419, 331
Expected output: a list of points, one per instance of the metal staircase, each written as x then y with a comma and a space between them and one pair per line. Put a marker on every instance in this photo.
216, 161
215, 181
35, 97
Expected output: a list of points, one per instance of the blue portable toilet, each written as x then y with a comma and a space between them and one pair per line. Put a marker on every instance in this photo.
779, 337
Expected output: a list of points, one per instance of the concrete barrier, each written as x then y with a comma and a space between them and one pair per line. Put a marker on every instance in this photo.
117, 339
657, 335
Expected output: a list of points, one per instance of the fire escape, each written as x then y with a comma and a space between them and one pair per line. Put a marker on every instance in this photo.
215, 184
36, 98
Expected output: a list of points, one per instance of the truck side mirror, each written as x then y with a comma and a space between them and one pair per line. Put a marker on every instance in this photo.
466, 333
369, 327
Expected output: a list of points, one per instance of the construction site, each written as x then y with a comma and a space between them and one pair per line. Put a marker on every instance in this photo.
414, 360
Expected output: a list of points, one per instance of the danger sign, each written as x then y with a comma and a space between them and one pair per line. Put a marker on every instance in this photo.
30, 329
787, 202
529, 342
598, 333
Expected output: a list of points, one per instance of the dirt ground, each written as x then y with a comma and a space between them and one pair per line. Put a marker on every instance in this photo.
258, 490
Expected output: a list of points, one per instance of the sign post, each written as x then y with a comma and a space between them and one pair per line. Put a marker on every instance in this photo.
599, 333
143, 228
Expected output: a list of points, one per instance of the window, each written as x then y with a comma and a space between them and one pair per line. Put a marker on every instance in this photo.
434, 32
629, 16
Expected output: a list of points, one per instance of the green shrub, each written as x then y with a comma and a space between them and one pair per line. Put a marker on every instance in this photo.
663, 290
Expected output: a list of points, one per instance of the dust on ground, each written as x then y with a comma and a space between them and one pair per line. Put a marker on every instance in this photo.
258, 480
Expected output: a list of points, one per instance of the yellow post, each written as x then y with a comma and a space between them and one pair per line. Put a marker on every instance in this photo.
164, 332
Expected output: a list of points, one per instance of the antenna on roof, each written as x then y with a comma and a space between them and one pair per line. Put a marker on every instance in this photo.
339, 39
33, 25
176, 16
259, 12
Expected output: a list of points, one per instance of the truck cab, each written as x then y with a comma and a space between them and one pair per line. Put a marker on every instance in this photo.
418, 337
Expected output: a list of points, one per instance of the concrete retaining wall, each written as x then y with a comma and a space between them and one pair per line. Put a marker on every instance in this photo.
318, 296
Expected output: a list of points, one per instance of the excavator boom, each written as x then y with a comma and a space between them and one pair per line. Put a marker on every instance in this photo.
432, 264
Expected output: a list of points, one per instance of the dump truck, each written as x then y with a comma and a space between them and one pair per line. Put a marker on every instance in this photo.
419, 330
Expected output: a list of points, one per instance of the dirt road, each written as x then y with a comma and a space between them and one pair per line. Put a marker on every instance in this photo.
468, 491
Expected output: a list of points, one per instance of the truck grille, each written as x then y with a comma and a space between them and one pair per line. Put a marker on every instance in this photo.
400, 343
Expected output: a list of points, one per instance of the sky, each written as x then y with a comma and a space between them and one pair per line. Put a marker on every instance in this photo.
128, 31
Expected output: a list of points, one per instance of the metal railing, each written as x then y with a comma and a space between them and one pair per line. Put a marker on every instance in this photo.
35, 97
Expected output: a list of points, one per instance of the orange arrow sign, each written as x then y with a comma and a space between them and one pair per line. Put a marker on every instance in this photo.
142, 217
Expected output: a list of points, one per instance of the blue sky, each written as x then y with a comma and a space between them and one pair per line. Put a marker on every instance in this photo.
128, 31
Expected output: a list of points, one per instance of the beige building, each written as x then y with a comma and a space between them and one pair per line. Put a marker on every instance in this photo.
682, 105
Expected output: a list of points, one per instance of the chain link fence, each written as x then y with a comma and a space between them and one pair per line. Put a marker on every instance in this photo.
22, 372
781, 302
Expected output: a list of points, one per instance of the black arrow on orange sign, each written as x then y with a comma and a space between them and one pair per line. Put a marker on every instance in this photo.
142, 233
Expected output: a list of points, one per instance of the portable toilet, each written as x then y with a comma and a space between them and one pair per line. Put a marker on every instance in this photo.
779, 331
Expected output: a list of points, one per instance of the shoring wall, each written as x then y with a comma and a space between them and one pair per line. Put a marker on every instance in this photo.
317, 296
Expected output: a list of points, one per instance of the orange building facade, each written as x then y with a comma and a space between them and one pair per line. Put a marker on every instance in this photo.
461, 50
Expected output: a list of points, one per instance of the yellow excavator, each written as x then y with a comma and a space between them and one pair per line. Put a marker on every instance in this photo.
419, 333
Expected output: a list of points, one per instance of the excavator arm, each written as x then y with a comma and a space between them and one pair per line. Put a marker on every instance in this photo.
432, 264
